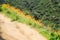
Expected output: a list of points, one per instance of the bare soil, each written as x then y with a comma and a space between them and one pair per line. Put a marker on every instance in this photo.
17, 31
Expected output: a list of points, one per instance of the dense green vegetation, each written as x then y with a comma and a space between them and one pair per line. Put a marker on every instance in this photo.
48, 11
20, 18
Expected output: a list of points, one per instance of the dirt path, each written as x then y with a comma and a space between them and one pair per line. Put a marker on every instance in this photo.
17, 31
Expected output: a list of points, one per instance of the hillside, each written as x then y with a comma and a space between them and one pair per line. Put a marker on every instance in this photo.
17, 15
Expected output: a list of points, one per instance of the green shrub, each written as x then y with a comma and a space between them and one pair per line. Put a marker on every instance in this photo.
54, 36
0, 9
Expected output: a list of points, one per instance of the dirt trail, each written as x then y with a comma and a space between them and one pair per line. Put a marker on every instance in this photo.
17, 31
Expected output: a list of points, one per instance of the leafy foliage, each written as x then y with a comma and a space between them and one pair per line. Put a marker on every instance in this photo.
12, 13
45, 10
48, 11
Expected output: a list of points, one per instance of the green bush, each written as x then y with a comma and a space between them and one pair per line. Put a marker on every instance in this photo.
47, 10
0, 9
54, 36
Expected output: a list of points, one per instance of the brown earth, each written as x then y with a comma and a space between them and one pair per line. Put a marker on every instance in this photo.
17, 31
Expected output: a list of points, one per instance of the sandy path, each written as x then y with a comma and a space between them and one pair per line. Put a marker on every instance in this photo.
17, 31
